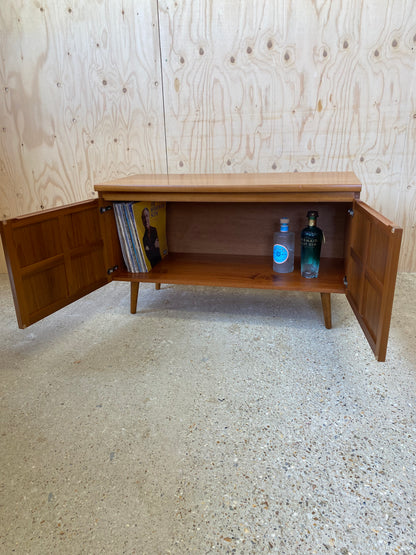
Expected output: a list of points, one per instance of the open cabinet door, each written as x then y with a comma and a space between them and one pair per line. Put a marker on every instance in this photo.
372, 259
55, 257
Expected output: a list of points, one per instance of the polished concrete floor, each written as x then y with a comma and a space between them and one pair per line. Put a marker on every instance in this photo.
212, 421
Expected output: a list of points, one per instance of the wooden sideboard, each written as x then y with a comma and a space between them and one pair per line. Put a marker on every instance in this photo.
219, 231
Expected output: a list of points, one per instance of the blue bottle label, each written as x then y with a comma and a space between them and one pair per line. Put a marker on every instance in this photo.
280, 254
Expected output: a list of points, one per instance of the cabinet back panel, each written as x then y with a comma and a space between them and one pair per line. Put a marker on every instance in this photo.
247, 228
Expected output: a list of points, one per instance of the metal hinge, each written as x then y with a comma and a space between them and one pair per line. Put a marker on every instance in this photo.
106, 208
350, 212
111, 270
345, 281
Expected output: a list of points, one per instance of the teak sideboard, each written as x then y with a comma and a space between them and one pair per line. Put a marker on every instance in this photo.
219, 231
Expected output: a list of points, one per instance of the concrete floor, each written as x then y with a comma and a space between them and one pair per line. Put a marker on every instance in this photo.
213, 420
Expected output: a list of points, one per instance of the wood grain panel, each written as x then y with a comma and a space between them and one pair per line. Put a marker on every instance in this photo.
406, 205
253, 272
223, 95
208, 228
80, 99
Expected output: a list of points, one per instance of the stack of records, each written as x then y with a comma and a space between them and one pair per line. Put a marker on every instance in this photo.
141, 229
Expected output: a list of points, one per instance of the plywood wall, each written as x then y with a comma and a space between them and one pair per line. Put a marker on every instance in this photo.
80, 100
256, 85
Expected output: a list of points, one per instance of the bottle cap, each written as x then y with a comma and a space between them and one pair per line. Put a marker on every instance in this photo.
284, 224
312, 214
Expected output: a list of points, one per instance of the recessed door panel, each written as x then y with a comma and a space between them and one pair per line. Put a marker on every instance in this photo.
55, 257
37, 241
44, 287
372, 259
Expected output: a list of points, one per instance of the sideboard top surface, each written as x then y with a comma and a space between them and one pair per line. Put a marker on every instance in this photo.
259, 183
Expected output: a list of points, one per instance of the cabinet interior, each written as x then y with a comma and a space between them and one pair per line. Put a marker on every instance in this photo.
247, 228
230, 244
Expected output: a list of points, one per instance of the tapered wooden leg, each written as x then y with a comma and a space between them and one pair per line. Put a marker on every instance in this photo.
326, 307
134, 293
157, 286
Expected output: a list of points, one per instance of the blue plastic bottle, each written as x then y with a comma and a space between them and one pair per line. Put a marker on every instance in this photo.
283, 248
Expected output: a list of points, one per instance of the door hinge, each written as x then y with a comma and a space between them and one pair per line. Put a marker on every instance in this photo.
111, 270
350, 212
106, 208
345, 281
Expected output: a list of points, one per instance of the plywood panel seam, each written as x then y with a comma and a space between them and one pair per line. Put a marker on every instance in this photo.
162, 88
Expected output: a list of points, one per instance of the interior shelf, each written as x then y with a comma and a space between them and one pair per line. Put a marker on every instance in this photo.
239, 271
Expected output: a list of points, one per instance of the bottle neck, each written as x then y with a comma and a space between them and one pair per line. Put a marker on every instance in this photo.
312, 222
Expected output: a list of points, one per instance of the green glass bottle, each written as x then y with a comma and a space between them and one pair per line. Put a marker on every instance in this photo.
310, 241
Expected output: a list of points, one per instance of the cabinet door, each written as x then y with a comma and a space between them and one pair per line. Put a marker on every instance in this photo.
55, 257
372, 259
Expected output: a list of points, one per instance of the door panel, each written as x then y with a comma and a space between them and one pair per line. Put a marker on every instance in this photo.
37, 242
372, 259
55, 257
